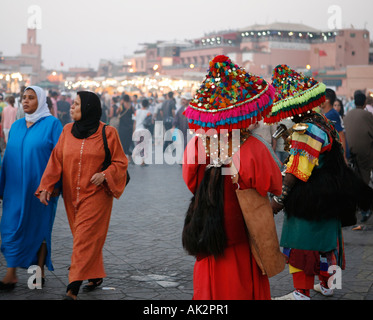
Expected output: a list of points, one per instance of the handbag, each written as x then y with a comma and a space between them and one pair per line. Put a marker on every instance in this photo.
107, 160
263, 240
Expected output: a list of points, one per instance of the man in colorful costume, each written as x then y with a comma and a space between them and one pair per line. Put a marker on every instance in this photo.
214, 231
320, 194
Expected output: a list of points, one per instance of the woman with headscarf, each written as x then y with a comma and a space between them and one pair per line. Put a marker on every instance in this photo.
26, 225
89, 184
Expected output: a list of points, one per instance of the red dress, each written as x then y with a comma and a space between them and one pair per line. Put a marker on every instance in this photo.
235, 275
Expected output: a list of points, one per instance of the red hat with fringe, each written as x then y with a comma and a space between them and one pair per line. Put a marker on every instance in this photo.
229, 98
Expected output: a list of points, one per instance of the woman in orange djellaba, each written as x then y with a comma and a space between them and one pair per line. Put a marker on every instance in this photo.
90, 182
226, 267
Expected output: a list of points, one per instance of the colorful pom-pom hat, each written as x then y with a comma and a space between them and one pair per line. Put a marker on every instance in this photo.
295, 94
229, 98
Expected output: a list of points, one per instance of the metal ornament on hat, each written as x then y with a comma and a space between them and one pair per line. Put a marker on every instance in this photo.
220, 151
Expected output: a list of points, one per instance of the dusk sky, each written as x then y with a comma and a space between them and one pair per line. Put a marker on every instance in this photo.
80, 32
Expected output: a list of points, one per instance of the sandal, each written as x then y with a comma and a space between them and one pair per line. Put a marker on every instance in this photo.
95, 283
358, 228
7, 286
73, 289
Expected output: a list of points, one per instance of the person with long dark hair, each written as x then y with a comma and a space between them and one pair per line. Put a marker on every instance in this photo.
338, 106
90, 182
214, 230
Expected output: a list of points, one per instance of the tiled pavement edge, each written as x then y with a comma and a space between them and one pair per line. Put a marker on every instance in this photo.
144, 258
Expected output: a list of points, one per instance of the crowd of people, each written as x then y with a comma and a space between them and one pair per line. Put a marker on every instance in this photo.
131, 113
120, 110
355, 128
319, 172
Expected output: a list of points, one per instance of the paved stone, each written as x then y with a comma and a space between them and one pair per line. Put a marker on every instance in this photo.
357, 282
143, 254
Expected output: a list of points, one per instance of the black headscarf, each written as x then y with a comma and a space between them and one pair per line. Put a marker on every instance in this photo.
91, 115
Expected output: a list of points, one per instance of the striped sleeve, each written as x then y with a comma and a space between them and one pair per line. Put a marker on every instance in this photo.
305, 151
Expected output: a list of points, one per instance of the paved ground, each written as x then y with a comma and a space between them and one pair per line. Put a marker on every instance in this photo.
144, 258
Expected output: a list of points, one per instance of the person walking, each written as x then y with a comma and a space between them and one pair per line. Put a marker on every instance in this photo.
18, 104
53, 95
113, 114
140, 134
332, 114
320, 192
359, 132
63, 109
136, 105
126, 125
214, 229
167, 113
26, 224
180, 121
8, 117
90, 182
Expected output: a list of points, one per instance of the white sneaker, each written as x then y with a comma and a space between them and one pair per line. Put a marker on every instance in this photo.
324, 291
295, 295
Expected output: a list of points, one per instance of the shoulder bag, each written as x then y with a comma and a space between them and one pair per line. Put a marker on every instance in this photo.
258, 216
107, 161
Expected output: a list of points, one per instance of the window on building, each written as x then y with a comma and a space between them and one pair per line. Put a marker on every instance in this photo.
353, 53
352, 35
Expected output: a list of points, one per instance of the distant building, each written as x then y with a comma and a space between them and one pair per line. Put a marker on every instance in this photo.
265, 46
260, 48
107, 68
28, 63
336, 57
193, 57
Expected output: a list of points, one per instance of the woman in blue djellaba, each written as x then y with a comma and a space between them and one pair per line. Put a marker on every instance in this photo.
26, 224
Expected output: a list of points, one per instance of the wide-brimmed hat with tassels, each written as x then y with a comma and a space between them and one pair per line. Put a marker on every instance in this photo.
229, 98
295, 94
